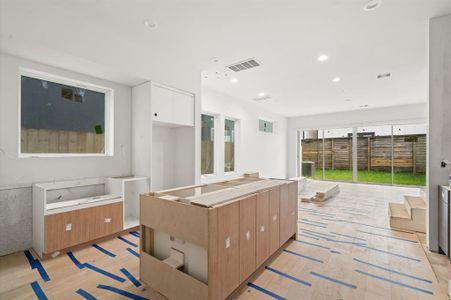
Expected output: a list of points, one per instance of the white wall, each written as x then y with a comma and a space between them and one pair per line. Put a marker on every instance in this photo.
439, 116
255, 150
406, 114
14, 170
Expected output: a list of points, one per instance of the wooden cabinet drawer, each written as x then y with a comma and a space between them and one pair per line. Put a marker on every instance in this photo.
247, 236
63, 230
104, 220
274, 219
263, 238
68, 229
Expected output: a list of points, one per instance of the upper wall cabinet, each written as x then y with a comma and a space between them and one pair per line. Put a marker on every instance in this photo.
172, 107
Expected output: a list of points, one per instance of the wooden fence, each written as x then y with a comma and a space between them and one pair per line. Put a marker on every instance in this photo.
373, 153
60, 141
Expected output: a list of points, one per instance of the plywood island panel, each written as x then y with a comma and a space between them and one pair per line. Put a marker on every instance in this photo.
225, 231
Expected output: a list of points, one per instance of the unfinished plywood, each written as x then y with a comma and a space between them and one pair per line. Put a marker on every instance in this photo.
410, 215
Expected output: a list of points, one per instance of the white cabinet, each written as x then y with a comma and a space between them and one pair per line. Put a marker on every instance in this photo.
172, 107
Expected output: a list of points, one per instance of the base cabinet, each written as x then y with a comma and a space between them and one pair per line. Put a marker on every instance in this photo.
75, 227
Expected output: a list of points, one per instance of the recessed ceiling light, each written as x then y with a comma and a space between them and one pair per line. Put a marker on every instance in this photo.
336, 79
372, 5
150, 24
261, 94
234, 80
323, 57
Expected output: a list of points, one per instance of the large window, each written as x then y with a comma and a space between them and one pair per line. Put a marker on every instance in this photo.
229, 145
61, 117
385, 154
207, 148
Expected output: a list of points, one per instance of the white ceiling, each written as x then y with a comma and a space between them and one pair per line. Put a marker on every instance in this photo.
107, 38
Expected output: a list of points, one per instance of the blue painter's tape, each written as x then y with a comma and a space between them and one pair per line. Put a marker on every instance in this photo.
131, 277
127, 241
393, 271
75, 260
388, 236
352, 286
85, 294
318, 233
265, 291
103, 250
308, 236
133, 252
396, 282
315, 222
391, 253
121, 292
344, 242
103, 272
363, 224
349, 236
135, 234
312, 244
288, 276
36, 264
321, 226
302, 255
38, 291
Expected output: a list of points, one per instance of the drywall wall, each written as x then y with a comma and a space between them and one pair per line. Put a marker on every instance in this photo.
439, 117
17, 174
406, 114
255, 150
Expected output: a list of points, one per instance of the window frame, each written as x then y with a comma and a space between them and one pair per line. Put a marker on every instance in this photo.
109, 113
235, 123
215, 150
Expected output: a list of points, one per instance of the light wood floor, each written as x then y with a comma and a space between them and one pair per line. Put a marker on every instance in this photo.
345, 250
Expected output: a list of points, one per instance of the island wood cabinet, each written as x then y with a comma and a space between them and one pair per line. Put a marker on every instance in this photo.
234, 233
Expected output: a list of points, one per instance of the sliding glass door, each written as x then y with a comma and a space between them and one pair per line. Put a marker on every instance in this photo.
385, 154
338, 154
374, 159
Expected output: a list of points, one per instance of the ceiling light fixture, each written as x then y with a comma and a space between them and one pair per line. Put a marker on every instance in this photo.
150, 24
261, 94
323, 58
372, 5
336, 79
234, 80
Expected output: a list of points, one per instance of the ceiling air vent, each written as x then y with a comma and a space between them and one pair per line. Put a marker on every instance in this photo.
244, 65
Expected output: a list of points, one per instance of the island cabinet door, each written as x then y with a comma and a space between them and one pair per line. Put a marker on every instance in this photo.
286, 226
274, 200
247, 236
228, 248
262, 227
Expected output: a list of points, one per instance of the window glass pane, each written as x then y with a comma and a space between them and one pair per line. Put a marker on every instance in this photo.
207, 147
374, 154
229, 144
57, 118
265, 126
311, 154
338, 154
409, 142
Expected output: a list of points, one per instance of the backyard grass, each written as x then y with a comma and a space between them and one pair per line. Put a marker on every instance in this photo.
404, 178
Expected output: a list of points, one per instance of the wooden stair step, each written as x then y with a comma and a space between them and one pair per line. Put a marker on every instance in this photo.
415, 202
398, 210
